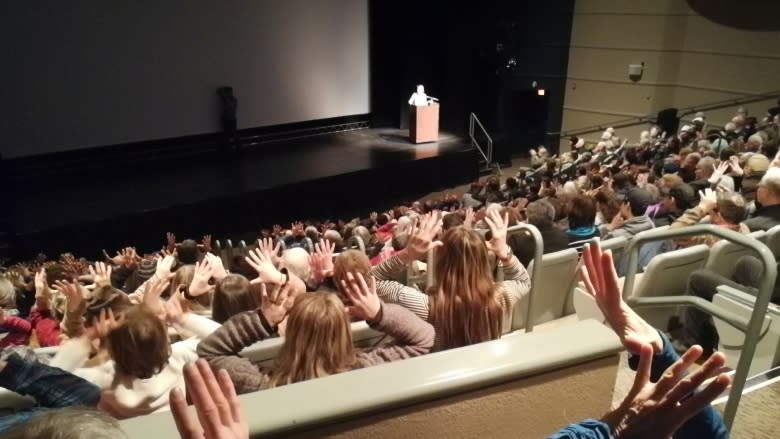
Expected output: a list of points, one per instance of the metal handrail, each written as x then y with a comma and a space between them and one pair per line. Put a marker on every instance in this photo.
682, 112
474, 120
752, 328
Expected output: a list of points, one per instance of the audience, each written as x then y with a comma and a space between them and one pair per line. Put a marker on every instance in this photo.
131, 328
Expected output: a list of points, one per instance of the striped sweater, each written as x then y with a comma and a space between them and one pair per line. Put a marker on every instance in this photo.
517, 284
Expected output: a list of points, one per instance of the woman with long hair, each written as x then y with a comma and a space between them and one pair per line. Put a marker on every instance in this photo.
318, 337
464, 304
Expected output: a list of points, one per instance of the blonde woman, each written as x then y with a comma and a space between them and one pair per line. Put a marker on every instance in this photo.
465, 306
318, 338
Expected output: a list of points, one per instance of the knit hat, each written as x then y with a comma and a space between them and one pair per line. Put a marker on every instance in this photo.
146, 268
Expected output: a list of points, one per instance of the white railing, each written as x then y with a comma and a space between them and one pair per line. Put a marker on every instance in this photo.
473, 123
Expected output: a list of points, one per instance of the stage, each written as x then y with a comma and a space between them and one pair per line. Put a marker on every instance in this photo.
230, 194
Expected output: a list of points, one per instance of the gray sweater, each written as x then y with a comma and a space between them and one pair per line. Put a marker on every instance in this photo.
413, 337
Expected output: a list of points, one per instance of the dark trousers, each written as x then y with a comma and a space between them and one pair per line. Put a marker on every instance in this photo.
50, 386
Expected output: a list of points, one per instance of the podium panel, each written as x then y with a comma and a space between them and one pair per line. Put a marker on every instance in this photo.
424, 123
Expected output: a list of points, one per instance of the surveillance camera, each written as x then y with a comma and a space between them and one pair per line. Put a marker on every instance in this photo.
635, 71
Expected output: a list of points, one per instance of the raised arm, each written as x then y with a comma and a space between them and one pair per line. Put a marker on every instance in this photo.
222, 348
412, 335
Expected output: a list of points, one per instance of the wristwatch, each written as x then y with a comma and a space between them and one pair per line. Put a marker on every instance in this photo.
508, 255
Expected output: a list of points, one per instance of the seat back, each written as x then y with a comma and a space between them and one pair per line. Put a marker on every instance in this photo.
667, 275
552, 288
504, 383
725, 254
773, 241
732, 340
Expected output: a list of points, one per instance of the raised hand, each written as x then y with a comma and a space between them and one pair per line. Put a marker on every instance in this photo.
200, 280
41, 289
373, 216
365, 302
104, 324
101, 274
601, 281
468, 222
498, 228
655, 410
708, 199
321, 261
262, 264
73, 294
736, 169
206, 243
174, 312
215, 261
215, 401
277, 230
274, 305
422, 237
266, 245
164, 266
151, 297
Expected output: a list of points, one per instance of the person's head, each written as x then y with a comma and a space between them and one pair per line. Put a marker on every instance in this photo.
350, 261
452, 220
512, 183
187, 252
317, 342
753, 143
690, 161
105, 297
464, 302
679, 197
140, 346
420, 89
621, 181
669, 181
296, 261
312, 233
67, 423
582, 212
333, 236
512, 215
705, 168
7, 294
540, 214
730, 209
363, 233
232, 295
756, 165
635, 203
607, 203
768, 192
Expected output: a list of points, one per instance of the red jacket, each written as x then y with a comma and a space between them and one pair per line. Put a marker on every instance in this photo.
18, 332
47, 328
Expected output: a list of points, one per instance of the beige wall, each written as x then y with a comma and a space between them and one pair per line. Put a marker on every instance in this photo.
532, 407
689, 60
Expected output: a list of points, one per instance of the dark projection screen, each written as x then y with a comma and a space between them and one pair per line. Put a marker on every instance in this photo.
94, 72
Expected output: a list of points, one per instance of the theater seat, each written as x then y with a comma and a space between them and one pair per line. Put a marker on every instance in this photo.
724, 254
551, 289
732, 340
667, 275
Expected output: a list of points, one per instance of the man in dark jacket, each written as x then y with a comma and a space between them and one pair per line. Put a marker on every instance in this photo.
768, 199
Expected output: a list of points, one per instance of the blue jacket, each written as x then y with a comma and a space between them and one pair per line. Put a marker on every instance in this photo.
706, 424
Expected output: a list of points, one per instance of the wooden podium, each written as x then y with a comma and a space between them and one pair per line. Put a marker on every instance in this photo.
424, 123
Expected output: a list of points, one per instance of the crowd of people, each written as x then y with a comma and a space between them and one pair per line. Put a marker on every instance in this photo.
133, 328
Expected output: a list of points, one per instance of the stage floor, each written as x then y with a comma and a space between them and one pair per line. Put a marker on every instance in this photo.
366, 163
